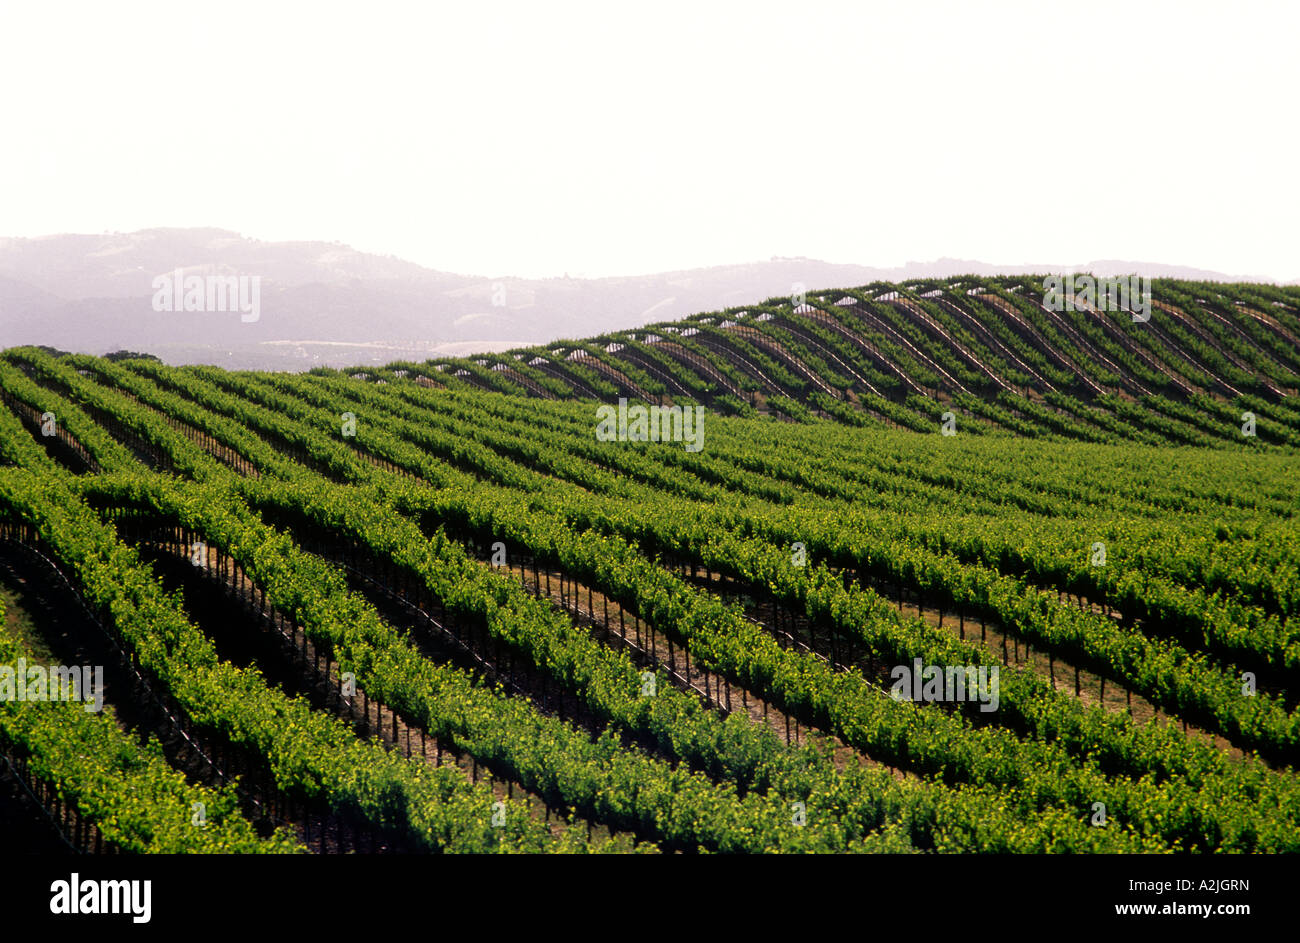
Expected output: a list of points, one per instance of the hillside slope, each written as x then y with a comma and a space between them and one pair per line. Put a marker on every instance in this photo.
560, 643
1209, 357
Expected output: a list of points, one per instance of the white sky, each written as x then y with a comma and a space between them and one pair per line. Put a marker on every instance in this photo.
542, 138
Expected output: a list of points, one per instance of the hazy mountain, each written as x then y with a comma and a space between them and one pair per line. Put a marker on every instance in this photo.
325, 303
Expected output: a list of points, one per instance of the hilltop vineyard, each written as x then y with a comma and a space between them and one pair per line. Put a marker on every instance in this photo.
929, 567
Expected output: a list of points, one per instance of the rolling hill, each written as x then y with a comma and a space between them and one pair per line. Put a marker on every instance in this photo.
987, 349
916, 567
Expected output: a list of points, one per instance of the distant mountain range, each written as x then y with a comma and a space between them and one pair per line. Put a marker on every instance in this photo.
327, 304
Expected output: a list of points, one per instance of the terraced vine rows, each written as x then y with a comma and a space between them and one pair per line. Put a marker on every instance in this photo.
465, 624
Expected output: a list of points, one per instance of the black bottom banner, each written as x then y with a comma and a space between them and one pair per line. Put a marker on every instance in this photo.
1145, 894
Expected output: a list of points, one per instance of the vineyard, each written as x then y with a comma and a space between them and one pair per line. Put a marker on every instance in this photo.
988, 350
426, 608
